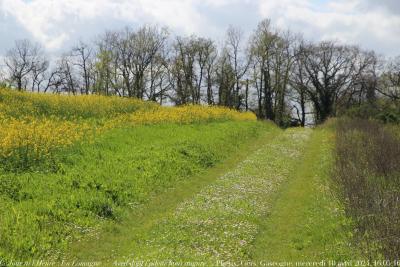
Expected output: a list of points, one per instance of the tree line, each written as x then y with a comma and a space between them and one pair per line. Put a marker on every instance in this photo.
275, 73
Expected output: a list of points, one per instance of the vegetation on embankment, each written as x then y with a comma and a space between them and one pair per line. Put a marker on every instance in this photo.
368, 175
24, 104
59, 182
33, 127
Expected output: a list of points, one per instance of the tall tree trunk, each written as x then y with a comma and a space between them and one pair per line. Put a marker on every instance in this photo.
303, 109
268, 105
247, 95
209, 92
19, 84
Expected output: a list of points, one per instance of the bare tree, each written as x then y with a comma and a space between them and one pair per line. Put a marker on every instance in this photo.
107, 64
238, 59
389, 84
192, 69
54, 80
300, 82
182, 71
331, 69
128, 59
263, 47
147, 45
283, 61
22, 60
364, 81
65, 76
39, 74
225, 77
157, 78
82, 59
210, 57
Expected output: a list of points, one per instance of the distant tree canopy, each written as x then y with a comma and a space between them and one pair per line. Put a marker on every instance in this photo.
275, 73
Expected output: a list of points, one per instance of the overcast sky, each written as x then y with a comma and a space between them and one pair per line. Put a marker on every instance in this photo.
58, 24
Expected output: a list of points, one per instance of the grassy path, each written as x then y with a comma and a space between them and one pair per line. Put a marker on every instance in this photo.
307, 222
272, 205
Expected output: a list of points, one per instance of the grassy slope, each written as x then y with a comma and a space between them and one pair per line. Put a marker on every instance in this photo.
121, 239
274, 205
307, 222
41, 212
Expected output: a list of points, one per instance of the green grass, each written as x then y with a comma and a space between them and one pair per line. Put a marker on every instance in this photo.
119, 240
272, 204
96, 184
307, 222
220, 223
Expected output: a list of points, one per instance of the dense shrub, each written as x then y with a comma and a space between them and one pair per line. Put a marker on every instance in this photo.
368, 173
384, 111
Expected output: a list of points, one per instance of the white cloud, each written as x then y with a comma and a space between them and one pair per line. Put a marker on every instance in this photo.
53, 22
57, 22
392, 6
343, 20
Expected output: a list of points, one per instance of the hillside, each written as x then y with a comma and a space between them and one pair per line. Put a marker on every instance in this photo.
106, 181
70, 164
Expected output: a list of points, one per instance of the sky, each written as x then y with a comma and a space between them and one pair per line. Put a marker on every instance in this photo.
59, 24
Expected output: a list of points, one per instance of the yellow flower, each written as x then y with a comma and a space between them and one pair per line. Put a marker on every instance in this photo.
34, 125
183, 115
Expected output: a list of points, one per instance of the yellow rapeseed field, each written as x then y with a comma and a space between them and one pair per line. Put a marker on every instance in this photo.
20, 104
183, 115
32, 139
32, 126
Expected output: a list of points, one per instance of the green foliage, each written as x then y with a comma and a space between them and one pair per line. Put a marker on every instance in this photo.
384, 111
41, 212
